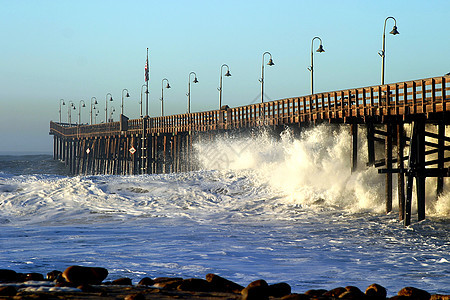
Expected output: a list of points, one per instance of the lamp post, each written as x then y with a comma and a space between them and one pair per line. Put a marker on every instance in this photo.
162, 94
311, 68
111, 113
189, 89
95, 115
127, 95
106, 106
147, 78
382, 53
228, 74
140, 103
270, 63
69, 114
93, 106
60, 109
79, 111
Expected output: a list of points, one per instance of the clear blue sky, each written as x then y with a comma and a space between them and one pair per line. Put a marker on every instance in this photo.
75, 50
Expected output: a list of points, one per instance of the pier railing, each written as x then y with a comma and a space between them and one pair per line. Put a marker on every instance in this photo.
424, 96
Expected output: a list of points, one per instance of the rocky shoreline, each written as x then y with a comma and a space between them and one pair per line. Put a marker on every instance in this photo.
78, 282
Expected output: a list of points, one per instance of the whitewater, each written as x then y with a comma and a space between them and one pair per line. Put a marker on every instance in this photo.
283, 209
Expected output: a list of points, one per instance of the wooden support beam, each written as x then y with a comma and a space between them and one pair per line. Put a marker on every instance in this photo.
441, 142
370, 144
55, 147
438, 136
388, 159
354, 130
401, 175
410, 177
420, 179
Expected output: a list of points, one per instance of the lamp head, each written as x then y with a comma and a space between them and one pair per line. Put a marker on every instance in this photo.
228, 74
128, 95
63, 103
84, 105
320, 49
270, 63
394, 31
195, 80
95, 101
168, 85
111, 99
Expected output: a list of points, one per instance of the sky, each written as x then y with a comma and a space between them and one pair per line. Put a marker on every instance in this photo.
76, 50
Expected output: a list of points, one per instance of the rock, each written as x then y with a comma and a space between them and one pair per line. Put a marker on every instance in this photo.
8, 291
376, 292
87, 288
415, 293
296, 297
21, 277
66, 284
336, 292
146, 281
194, 285
221, 284
315, 293
138, 296
53, 275
84, 275
440, 297
8, 275
169, 284
164, 279
256, 290
352, 292
258, 283
279, 289
122, 281
34, 277
352, 295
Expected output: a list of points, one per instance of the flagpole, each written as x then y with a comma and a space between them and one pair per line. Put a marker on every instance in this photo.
146, 92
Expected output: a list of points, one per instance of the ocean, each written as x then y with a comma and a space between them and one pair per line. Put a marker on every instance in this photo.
283, 210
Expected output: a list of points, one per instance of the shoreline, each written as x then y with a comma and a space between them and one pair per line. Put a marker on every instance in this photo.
78, 282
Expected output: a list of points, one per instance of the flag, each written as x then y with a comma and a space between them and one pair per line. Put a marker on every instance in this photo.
146, 71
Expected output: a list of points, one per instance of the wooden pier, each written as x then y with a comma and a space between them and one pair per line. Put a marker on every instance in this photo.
165, 144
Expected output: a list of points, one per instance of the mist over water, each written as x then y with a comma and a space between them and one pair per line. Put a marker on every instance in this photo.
279, 208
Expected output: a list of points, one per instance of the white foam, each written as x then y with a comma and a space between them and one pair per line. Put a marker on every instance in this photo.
313, 168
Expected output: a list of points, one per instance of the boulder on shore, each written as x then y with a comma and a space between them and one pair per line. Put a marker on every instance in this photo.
415, 293
221, 284
8, 275
84, 275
